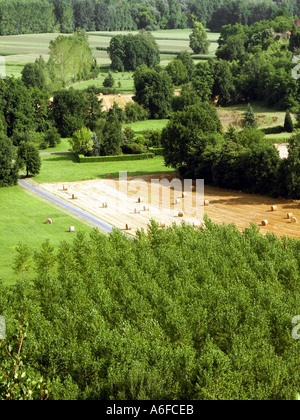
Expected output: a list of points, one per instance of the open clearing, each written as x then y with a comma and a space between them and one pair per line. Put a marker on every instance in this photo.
265, 116
225, 206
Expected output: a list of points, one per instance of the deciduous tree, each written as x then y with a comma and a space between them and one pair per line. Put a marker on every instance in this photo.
198, 39
8, 167
28, 157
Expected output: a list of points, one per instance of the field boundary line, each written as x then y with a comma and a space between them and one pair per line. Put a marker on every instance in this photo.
77, 212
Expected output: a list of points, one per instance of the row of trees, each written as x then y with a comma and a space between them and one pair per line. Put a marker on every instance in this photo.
36, 16
12, 160
27, 112
167, 316
26, 17
241, 160
255, 64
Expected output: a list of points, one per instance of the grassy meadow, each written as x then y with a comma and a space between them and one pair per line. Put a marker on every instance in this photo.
22, 218
141, 126
65, 168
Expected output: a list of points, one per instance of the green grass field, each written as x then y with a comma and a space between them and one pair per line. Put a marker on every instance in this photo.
63, 146
141, 126
123, 82
65, 168
22, 218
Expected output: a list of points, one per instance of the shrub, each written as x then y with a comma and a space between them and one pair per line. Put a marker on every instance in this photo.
288, 123
138, 148
135, 112
52, 137
158, 151
109, 81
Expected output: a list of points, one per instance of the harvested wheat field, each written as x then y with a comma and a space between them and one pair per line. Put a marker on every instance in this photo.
146, 200
108, 101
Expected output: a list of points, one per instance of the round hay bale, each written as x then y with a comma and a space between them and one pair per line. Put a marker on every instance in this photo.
72, 229
146, 208
206, 203
74, 197
180, 214
104, 205
65, 188
184, 195
127, 227
265, 223
49, 222
137, 211
274, 208
178, 201
140, 200
289, 215
294, 220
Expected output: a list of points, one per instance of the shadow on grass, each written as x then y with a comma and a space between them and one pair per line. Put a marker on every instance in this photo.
59, 157
130, 174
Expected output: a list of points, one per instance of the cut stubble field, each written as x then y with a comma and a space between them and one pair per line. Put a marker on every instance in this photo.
225, 207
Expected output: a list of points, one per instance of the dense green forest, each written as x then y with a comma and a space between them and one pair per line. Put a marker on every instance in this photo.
38, 16
178, 313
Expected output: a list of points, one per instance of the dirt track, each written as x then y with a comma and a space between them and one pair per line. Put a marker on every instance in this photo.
225, 206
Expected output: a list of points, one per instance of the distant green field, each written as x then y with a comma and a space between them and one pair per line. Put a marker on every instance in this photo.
123, 82
21, 49
22, 218
65, 168
279, 138
141, 126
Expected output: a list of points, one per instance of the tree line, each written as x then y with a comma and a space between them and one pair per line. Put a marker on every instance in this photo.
255, 63
65, 16
195, 144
